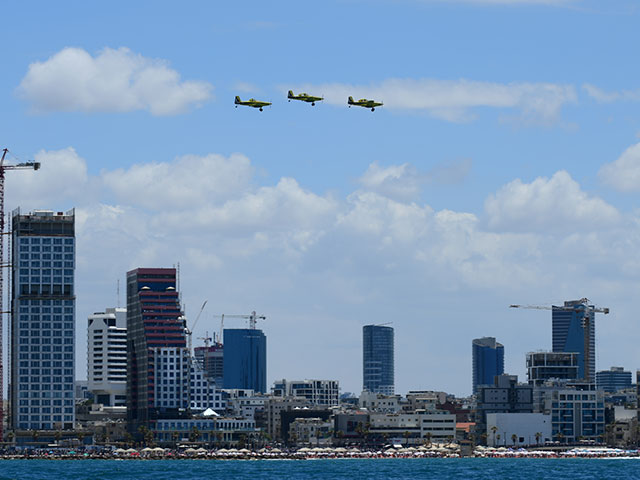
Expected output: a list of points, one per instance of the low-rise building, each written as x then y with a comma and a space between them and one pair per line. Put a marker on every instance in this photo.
413, 428
310, 431
518, 429
274, 406
377, 402
325, 393
219, 430
243, 402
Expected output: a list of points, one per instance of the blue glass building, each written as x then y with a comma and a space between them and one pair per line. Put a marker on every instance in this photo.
377, 359
487, 361
574, 330
245, 359
42, 349
613, 380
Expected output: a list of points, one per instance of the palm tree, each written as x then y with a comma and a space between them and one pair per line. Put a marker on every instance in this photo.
494, 429
11, 436
174, 437
497, 438
514, 439
427, 437
194, 435
57, 435
538, 437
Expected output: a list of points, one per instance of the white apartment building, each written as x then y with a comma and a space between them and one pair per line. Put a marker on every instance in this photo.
325, 393
107, 357
203, 393
416, 427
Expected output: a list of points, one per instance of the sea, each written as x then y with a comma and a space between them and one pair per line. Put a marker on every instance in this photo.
352, 469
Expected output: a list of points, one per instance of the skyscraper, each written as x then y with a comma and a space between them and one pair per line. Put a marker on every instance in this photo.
157, 356
574, 330
107, 357
245, 359
377, 359
42, 349
487, 361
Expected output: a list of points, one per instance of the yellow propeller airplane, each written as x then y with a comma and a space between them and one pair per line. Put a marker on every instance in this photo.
304, 97
363, 102
252, 102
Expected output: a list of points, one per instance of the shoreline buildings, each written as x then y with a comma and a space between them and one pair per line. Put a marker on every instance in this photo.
42, 348
487, 361
378, 359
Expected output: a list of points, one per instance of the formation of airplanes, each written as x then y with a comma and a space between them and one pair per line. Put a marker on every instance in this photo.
304, 97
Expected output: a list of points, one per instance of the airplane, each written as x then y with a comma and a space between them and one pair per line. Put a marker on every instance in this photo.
304, 97
252, 102
363, 102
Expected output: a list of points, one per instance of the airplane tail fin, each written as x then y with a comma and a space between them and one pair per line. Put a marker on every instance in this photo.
237, 99
290, 94
350, 100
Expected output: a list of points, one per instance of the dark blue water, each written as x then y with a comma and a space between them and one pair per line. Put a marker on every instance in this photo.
428, 468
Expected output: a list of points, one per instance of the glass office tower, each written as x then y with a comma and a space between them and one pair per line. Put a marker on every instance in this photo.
245, 359
487, 361
574, 330
377, 359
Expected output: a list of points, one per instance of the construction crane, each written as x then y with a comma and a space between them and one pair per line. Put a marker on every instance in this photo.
189, 331
576, 306
252, 317
3, 264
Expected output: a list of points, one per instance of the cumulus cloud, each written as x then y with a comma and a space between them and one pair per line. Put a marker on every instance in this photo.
624, 173
62, 175
547, 205
603, 96
115, 80
454, 100
405, 182
185, 182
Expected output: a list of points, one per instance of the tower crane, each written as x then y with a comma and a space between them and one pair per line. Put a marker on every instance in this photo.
189, 331
252, 317
3, 264
576, 306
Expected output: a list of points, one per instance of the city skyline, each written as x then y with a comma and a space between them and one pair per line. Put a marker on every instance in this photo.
501, 169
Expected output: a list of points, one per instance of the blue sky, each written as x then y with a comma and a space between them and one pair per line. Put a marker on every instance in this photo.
503, 168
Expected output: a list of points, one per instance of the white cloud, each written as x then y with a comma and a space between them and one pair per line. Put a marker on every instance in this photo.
115, 80
547, 205
62, 176
454, 100
624, 173
186, 182
603, 96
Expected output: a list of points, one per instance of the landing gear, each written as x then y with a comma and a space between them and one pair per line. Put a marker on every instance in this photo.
260, 108
373, 109
313, 104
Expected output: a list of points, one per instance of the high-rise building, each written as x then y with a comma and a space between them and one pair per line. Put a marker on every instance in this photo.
487, 361
245, 359
613, 380
211, 359
377, 359
543, 366
574, 330
42, 350
158, 359
107, 357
